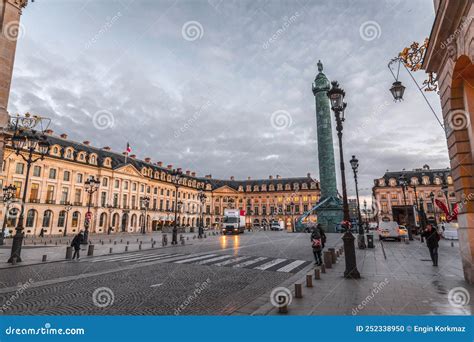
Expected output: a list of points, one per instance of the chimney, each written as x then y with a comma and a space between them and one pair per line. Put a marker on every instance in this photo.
124, 153
208, 176
147, 159
49, 132
270, 177
86, 142
160, 163
64, 136
278, 176
188, 173
106, 148
248, 178
193, 174
133, 156
231, 178
169, 167
309, 175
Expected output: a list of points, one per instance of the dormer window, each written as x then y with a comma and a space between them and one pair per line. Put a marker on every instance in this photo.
381, 182
241, 188
392, 182
93, 159
287, 187
280, 186
255, 188
426, 180
272, 187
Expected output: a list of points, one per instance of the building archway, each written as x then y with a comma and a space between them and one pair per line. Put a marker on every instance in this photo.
124, 224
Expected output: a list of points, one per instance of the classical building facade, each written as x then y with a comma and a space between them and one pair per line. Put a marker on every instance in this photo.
60, 178
450, 55
388, 193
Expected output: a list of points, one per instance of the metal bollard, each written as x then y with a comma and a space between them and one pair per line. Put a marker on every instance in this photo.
68, 253
128, 242
309, 280
126, 248
137, 240
317, 273
140, 247
110, 250
56, 243
333, 254
44, 258
327, 259
90, 250
14, 261
323, 268
102, 243
337, 254
140, 242
298, 291
120, 240
115, 242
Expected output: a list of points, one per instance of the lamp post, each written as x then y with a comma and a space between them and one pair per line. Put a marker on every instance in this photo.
336, 96
423, 218
176, 176
91, 186
202, 200
355, 167
31, 146
8, 195
292, 212
444, 189
432, 198
67, 208
110, 209
404, 185
145, 202
417, 207
366, 216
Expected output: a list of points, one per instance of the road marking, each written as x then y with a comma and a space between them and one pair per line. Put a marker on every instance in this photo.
214, 259
156, 285
270, 264
250, 262
161, 258
98, 259
231, 261
292, 266
196, 258
150, 256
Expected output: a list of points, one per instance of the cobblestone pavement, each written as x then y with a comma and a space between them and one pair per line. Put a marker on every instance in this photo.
405, 283
216, 275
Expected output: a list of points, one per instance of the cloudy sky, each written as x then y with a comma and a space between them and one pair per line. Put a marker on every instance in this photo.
224, 87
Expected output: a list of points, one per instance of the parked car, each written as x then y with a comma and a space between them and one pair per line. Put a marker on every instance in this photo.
340, 229
275, 225
450, 231
391, 230
373, 226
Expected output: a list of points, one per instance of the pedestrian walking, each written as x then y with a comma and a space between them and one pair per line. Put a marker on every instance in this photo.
76, 244
322, 234
432, 237
41, 234
317, 245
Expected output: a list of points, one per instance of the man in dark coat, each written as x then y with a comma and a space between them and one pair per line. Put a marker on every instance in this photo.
317, 245
432, 237
76, 244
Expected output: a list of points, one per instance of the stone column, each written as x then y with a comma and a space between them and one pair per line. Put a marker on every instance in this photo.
10, 11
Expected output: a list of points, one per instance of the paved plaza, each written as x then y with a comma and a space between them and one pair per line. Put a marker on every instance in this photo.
224, 275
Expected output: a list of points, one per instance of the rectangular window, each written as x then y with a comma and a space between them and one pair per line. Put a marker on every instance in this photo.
52, 173
64, 195
134, 201
125, 185
103, 199
134, 186
255, 212
208, 209
105, 181
20, 167
77, 197
66, 176
161, 204
125, 201
142, 188
264, 210
154, 204
34, 192
79, 178
17, 184
394, 196
116, 199
167, 204
50, 194
37, 171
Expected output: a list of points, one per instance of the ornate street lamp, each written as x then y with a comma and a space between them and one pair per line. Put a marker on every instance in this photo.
355, 167
31, 146
404, 185
175, 177
366, 216
292, 212
91, 185
432, 198
397, 90
336, 96
202, 199
145, 203
8, 195
67, 208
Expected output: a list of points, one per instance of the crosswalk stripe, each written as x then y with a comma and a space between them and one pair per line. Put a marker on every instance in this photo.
106, 258
250, 262
181, 257
292, 266
231, 261
163, 258
194, 259
214, 259
270, 264
154, 256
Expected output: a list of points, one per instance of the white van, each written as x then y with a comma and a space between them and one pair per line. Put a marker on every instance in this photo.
450, 231
390, 230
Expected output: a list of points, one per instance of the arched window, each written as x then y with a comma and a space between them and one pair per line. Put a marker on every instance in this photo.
75, 219
61, 218
134, 220
115, 220
30, 218
47, 218
102, 219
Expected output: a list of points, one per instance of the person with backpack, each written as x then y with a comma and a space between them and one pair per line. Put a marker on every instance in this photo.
432, 237
317, 245
319, 227
76, 244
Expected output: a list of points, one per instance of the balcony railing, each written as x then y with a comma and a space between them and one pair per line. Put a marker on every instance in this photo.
34, 200
78, 204
50, 201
